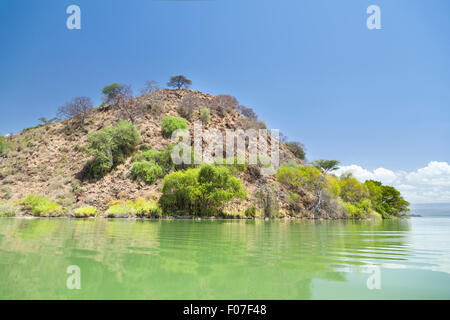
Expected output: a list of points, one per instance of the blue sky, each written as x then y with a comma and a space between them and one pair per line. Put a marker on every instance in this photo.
375, 98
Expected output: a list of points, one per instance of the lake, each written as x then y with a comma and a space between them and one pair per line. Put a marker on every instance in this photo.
225, 259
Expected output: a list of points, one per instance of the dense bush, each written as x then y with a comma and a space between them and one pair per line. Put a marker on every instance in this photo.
85, 212
161, 158
41, 206
129, 208
386, 199
121, 209
146, 171
110, 147
170, 124
359, 210
205, 114
351, 190
250, 212
147, 208
201, 191
359, 200
151, 164
235, 164
295, 177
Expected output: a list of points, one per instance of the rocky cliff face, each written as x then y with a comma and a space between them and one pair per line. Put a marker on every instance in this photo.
48, 160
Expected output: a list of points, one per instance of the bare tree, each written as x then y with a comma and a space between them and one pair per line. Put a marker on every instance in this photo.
187, 105
150, 86
78, 109
268, 201
223, 103
246, 124
247, 112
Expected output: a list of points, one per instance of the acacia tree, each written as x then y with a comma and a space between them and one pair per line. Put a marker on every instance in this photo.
179, 82
326, 165
79, 109
150, 86
120, 96
47, 122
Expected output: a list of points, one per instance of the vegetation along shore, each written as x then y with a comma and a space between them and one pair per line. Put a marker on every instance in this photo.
115, 161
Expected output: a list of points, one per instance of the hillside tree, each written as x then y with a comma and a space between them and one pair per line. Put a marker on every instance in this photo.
326, 165
78, 108
150, 86
297, 149
121, 97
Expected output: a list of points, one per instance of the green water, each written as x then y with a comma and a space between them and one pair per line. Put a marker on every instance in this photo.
225, 259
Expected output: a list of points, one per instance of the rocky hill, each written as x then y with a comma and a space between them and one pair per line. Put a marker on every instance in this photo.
48, 160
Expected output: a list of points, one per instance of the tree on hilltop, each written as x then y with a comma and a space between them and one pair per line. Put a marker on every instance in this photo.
150, 86
179, 82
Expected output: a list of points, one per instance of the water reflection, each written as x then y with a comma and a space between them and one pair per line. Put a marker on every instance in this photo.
176, 259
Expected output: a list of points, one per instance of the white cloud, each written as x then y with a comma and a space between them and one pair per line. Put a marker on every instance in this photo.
428, 184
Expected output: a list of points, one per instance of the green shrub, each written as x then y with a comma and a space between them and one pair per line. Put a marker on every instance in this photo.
110, 147
386, 200
201, 191
138, 208
146, 171
3, 144
41, 206
161, 158
250, 212
155, 164
352, 190
85, 212
205, 114
148, 208
293, 200
170, 124
7, 210
235, 164
298, 176
122, 209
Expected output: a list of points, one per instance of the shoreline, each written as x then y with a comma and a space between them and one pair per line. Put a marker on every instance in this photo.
202, 218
